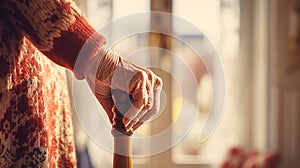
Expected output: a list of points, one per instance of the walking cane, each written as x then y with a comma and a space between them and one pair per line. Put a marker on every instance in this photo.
122, 146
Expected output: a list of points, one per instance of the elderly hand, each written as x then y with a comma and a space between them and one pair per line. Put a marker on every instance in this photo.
108, 70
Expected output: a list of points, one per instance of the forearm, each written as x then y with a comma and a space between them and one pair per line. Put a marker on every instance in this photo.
56, 28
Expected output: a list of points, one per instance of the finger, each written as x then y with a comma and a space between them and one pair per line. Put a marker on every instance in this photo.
107, 104
148, 105
156, 100
153, 111
139, 101
145, 118
102, 94
136, 119
149, 87
132, 113
158, 84
139, 97
138, 87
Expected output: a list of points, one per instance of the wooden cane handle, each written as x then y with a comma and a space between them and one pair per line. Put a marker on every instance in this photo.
122, 147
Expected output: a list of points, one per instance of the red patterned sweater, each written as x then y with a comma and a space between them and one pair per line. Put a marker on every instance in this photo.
35, 122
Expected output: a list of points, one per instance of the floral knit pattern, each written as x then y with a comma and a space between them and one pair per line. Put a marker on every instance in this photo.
35, 125
35, 117
49, 23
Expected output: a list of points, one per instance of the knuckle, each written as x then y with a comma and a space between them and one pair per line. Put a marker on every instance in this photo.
141, 97
139, 94
158, 82
144, 101
149, 105
138, 105
141, 74
150, 101
150, 74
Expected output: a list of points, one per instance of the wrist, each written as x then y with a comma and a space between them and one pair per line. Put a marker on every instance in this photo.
107, 66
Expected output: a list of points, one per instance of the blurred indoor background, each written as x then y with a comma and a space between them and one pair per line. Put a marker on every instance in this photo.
258, 43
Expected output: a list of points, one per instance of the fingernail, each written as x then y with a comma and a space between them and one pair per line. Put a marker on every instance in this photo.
128, 129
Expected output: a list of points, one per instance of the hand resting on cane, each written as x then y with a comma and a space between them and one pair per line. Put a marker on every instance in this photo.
109, 70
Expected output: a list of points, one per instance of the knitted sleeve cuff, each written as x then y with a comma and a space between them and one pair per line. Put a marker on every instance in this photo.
76, 46
57, 29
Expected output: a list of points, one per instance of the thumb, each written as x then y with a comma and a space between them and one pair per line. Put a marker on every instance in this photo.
107, 104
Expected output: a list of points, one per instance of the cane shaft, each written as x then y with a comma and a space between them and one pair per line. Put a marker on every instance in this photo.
122, 146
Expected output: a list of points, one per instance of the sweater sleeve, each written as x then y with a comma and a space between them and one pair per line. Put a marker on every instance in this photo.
57, 29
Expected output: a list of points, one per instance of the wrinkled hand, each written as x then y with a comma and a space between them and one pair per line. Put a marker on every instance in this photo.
108, 70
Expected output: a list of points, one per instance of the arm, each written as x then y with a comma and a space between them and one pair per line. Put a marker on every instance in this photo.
56, 28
